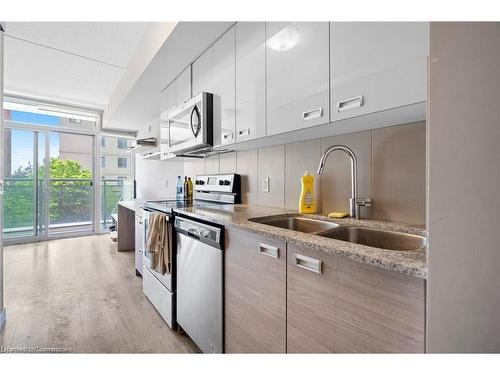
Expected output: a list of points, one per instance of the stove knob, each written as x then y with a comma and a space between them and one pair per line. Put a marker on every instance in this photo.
227, 182
221, 182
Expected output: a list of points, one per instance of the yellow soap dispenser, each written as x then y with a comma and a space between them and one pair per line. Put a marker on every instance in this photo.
307, 204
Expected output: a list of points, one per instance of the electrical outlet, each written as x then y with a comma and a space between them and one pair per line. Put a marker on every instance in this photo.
265, 185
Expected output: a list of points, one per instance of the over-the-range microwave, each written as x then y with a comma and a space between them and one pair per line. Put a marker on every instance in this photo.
190, 127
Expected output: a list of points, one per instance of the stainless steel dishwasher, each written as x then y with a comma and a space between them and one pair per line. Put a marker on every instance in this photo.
200, 283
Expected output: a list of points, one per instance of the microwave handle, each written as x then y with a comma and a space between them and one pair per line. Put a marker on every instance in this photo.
196, 112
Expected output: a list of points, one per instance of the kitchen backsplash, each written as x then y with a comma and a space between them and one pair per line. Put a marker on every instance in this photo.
391, 171
156, 179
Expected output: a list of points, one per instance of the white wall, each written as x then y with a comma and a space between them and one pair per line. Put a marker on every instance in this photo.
463, 285
155, 178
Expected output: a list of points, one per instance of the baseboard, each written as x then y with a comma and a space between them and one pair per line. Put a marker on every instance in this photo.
2, 318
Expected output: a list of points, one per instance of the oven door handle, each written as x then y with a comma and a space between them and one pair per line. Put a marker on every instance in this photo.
196, 112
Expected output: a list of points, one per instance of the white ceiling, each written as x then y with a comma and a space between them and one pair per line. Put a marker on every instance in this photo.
186, 42
76, 62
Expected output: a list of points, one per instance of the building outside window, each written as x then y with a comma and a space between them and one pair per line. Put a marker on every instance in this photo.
123, 143
103, 161
122, 162
117, 180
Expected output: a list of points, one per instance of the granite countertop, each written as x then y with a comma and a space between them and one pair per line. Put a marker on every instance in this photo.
237, 216
131, 205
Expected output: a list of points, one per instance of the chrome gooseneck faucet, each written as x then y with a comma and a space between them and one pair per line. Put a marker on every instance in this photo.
354, 201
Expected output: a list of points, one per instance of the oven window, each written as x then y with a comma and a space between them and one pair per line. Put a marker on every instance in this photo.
180, 128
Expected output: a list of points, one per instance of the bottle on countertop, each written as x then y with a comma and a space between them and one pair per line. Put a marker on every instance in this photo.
186, 187
307, 203
179, 191
190, 189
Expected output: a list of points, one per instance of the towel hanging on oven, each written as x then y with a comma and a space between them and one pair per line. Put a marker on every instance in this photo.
159, 242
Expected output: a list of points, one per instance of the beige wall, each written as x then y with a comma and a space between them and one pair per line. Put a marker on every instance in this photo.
463, 283
391, 170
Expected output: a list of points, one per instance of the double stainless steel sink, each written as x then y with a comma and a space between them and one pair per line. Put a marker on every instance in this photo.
379, 238
298, 223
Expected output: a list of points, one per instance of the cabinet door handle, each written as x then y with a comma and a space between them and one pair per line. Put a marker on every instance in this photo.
271, 251
140, 251
312, 114
244, 132
227, 136
307, 263
350, 104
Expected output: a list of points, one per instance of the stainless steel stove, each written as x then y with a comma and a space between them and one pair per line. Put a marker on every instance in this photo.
214, 191
197, 248
169, 205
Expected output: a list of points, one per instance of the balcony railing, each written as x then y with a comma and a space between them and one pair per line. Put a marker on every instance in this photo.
113, 191
70, 204
19, 207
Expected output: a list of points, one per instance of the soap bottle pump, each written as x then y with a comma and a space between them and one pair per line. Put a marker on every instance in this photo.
307, 203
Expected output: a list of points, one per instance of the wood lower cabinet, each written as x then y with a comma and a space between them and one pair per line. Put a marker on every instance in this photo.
350, 307
255, 294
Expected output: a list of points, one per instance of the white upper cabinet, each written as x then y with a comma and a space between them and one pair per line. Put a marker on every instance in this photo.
250, 80
203, 72
168, 104
297, 71
377, 66
183, 83
223, 84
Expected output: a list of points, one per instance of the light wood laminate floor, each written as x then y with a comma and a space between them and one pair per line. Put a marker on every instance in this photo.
82, 295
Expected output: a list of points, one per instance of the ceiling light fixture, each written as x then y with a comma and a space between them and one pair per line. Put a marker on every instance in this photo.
285, 39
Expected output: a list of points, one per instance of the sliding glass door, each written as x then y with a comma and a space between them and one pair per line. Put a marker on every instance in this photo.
23, 163
49, 189
70, 191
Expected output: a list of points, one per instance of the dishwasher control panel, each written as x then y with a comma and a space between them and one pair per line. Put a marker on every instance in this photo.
211, 235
